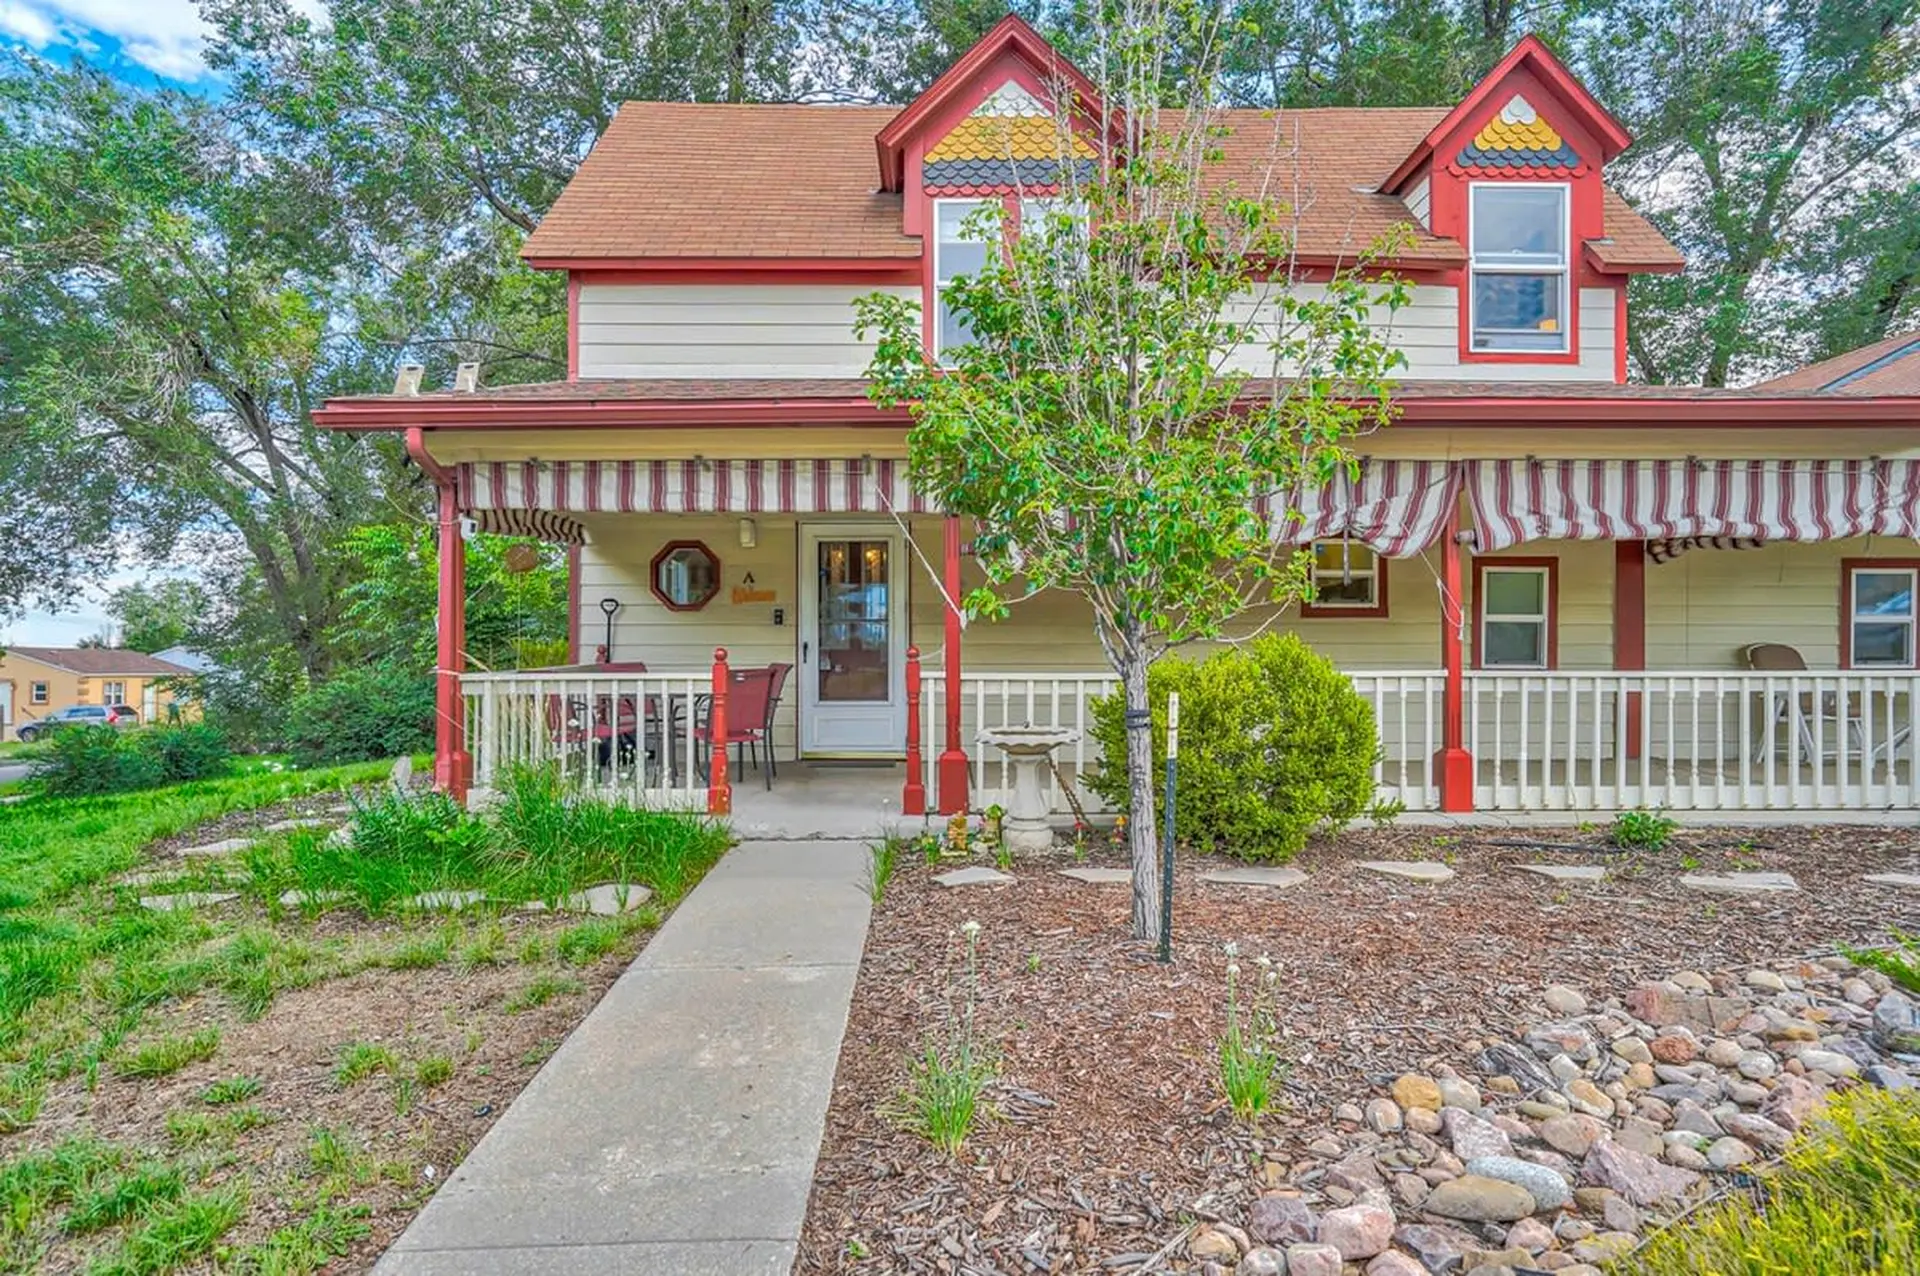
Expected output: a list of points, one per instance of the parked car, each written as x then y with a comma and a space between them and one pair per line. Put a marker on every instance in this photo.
111, 715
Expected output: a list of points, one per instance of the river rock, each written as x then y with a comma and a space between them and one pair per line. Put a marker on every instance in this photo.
1566, 1002
1476, 1198
1792, 1103
1572, 1135
1455, 1093
1588, 1098
1281, 1219
1394, 1264
1634, 1175
1412, 1090
1435, 1244
1570, 1039
1896, 1023
1531, 1235
1673, 1048
1261, 1261
1831, 1062
1209, 1242
1474, 1136
1357, 1231
1757, 1130
1383, 1116
1313, 1260
1729, 1152
1548, 1189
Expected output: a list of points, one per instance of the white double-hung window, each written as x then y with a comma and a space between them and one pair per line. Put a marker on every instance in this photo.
1520, 258
957, 251
1882, 615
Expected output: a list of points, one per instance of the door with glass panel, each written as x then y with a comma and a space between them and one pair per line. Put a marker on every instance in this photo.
853, 641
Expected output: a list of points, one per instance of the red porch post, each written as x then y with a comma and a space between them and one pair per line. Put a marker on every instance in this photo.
451, 765
1630, 628
913, 797
719, 791
953, 758
1454, 763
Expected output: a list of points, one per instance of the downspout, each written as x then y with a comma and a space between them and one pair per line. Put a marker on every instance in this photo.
450, 760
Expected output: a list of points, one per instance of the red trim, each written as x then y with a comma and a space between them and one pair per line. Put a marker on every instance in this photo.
1581, 210
1010, 35
1630, 626
573, 604
1848, 566
952, 770
573, 326
719, 791
1534, 54
893, 271
666, 551
450, 761
1376, 611
913, 795
714, 269
1620, 334
1552, 567
1453, 765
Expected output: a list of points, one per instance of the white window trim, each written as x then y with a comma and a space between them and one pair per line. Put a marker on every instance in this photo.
1911, 620
1370, 574
1544, 617
112, 693
933, 316
1564, 270
37, 693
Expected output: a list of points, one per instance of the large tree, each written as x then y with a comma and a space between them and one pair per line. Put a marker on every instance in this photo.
1094, 423
1776, 145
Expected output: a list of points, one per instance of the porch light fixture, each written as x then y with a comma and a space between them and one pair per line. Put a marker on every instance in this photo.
749, 534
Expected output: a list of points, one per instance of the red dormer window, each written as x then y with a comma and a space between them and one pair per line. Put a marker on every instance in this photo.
1520, 238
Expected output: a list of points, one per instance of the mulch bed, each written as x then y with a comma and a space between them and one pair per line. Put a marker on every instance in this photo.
1111, 1133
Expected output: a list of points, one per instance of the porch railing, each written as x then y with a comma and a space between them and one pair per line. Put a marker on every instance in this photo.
1406, 704
1713, 740
625, 733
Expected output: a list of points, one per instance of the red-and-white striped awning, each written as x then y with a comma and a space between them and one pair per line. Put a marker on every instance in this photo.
1777, 500
1396, 507
500, 494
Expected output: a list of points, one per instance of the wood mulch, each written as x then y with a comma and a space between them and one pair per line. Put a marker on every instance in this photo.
1111, 1136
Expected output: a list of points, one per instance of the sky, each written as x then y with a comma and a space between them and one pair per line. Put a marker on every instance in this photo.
145, 41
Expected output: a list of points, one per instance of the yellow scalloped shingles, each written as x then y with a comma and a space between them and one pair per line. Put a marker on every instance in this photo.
1518, 127
1010, 124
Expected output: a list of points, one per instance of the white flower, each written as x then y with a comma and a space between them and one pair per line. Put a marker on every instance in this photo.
1273, 976
1233, 949
970, 929
1263, 961
1233, 969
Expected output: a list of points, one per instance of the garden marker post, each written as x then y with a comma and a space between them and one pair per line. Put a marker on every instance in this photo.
719, 792
1166, 859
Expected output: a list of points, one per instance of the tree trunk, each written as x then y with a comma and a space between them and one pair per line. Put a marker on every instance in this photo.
1142, 842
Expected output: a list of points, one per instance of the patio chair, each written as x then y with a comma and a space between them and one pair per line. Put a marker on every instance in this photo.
1778, 657
753, 696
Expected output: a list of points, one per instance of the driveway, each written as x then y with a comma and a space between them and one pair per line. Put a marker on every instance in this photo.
11, 771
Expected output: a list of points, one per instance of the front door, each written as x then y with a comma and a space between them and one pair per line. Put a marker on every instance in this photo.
853, 640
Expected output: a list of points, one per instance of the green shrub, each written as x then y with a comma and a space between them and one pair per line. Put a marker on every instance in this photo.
1643, 830
1274, 743
88, 761
1842, 1204
361, 714
193, 752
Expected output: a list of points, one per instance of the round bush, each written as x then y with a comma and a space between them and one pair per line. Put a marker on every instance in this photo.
1274, 744
361, 714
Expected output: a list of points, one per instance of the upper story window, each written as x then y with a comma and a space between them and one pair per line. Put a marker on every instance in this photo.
1519, 264
956, 252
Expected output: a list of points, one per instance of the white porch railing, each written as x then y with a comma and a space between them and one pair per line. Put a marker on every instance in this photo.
1406, 704
625, 733
1720, 741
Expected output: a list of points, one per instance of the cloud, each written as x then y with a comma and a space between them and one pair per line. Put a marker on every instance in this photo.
167, 37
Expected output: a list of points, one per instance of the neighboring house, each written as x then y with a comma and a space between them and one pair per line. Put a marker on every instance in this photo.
36, 681
192, 659
1559, 590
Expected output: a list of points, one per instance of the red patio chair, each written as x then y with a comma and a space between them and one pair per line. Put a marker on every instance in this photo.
753, 696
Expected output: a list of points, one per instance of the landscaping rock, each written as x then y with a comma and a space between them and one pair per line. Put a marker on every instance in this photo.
1589, 1098
1393, 1264
446, 901
1208, 1242
978, 875
1434, 1244
1791, 1103
1282, 1219
1249, 875
1570, 1039
1896, 1023
1895, 879
187, 899
225, 846
1564, 1001
1105, 876
1313, 1260
1411, 870
1531, 1235
1729, 1152
1357, 1231
1548, 1189
1572, 1135
1261, 1261
1476, 1198
1383, 1116
1740, 883
1566, 872
1673, 1049
609, 899
1412, 1090
1474, 1136
316, 899
1455, 1093
1831, 1062
1605, 1247
299, 822
1634, 1175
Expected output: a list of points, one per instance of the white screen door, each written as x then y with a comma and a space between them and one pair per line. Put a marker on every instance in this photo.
853, 641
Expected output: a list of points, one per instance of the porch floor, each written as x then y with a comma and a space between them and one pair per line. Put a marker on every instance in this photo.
815, 800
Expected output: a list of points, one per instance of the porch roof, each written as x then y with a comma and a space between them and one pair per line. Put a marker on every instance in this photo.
745, 402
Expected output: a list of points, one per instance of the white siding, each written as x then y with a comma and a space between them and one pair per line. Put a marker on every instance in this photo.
723, 330
794, 330
1419, 200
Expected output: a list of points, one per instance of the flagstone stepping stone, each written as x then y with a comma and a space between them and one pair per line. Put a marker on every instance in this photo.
148, 878
401, 777
446, 901
1254, 876
1099, 876
975, 876
187, 899
289, 826
317, 899
339, 839
1895, 879
1567, 872
225, 846
1740, 883
1412, 870
609, 899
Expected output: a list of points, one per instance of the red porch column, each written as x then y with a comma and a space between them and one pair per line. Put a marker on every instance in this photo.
1630, 628
913, 796
452, 768
953, 758
719, 790
1454, 764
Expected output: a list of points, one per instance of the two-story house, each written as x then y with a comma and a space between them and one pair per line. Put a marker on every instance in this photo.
1560, 591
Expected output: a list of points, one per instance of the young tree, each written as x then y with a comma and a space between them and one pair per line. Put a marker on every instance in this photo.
1093, 425
161, 615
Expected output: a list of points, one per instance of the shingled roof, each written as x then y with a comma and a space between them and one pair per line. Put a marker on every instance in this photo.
99, 661
680, 180
1891, 366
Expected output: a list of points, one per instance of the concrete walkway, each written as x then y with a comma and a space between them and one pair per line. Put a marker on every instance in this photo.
674, 1132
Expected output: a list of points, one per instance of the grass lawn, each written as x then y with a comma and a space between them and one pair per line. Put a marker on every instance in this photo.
253, 1086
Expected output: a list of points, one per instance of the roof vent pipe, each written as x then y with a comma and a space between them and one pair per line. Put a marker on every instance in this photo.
407, 382
466, 378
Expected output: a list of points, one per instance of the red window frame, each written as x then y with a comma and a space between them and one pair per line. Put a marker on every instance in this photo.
1551, 566
1848, 568
1376, 611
